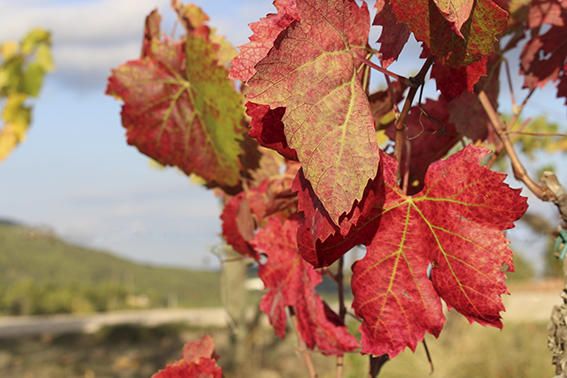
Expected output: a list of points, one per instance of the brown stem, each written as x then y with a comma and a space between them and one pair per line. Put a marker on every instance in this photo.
536, 134
391, 94
340, 282
301, 348
510, 85
415, 83
428, 355
340, 366
376, 365
401, 78
518, 168
342, 308
518, 111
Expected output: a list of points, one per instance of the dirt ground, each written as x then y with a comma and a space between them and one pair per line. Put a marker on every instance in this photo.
462, 351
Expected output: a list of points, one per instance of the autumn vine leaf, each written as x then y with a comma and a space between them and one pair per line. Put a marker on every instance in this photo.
238, 225
394, 34
267, 128
314, 71
446, 242
544, 56
180, 108
290, 282
435, 23
198, 361
457, 12
452, 81
265, 31
320, 241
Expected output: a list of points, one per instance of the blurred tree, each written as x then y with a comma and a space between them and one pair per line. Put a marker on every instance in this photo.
23, 67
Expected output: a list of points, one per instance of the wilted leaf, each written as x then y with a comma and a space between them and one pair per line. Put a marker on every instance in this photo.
180, 108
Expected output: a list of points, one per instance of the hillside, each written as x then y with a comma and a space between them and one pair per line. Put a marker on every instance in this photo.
40, 273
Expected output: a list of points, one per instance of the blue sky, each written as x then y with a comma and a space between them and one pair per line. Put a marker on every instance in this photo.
75, 172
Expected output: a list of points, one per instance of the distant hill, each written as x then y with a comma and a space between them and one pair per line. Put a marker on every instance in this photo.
42, 274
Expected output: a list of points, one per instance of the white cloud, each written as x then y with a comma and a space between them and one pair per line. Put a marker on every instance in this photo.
103, 21
89, 37
92, 36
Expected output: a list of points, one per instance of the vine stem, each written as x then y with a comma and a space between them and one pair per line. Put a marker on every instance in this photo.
401, 129
428, 355
376, 365
385, 71
543, 135
518, 168
342, 309
513, 121
301, 348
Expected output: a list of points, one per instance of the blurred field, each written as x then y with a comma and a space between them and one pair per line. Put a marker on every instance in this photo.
42, 274
462, 351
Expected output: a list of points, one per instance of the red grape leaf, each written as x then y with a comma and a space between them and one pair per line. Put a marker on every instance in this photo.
394, 34
195, 350
198, 361
546, 12
266, 30
479, 35
452, 81
267, 128
291, 282
457, 12
466, 111
246, 211
314, 71
431, 136
320, 241
319, 326
205, 368
238, 225
453, 228
562, 86
180, 108
469, 117
544, 56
